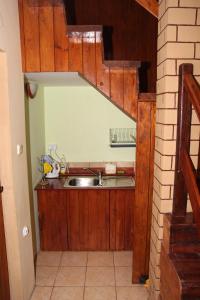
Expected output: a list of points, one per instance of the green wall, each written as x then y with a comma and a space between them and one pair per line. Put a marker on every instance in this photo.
78, 119
36, 147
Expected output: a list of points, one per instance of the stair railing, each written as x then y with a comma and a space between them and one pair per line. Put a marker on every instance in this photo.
186, 176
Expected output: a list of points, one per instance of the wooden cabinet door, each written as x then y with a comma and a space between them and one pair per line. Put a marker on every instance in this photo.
121, 219
4, 281
52, 207
88, 217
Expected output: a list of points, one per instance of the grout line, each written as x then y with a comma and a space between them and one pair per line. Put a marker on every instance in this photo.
85, 276
115, 276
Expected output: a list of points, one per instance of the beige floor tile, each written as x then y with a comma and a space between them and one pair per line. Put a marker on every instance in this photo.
74, 259
49, 258
45, 276
42, 293
67, 293
100, 293
100, 276
100, 259
123, 258
123, 276
132, 293
71, 276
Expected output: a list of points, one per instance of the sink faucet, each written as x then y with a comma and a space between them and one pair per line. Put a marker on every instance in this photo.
98, 174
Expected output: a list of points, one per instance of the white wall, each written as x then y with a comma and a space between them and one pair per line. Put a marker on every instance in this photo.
13, 172
78, 119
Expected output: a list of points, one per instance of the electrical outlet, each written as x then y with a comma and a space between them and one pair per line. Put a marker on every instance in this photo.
52, 147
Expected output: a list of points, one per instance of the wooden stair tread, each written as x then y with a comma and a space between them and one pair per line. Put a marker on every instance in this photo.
122, 63
84, 28
184, 256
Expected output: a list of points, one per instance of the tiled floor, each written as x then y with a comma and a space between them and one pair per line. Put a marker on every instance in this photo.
86, 276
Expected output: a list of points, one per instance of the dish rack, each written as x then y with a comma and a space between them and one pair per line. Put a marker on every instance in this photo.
122, 137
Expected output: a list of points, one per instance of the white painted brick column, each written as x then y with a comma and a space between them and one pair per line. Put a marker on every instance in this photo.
178, 42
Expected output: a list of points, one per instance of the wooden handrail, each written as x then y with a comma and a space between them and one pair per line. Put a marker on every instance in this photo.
186, 177
191, 184
193, 91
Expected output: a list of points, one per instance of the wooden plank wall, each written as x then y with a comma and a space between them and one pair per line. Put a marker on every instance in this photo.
144, 187
49, 45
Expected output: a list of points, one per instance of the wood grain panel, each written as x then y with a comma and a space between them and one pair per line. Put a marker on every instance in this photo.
88, 217
151, 178
142, 192
60, 39
89, 57
103, 72
125, 22
117, 86
150, 6
31, 38
52, 218
78, 219
83, 219
46, 39
73, 220
98, 220
4, 280
75, 52
21, 21
130, 92
129, 198
121, 219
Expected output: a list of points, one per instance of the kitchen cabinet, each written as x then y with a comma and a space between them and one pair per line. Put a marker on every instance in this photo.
121, 219
52, 206
85, 219
88, 219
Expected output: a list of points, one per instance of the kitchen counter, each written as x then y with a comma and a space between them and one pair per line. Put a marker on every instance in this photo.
108, 182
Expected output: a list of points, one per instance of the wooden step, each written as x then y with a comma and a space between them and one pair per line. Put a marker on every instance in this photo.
117, 80
180, 275
185, 247
50, 45
184, 233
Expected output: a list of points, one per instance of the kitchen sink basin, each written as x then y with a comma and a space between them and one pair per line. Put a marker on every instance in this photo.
93, 182
83, 181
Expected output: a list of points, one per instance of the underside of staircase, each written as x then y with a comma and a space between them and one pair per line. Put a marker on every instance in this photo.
81, 48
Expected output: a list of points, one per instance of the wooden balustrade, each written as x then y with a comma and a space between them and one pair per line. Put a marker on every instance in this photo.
180, 263
185, 174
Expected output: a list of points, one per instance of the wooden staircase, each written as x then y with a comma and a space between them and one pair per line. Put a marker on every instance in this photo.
47, 42
180, 260
117, 80
180, 255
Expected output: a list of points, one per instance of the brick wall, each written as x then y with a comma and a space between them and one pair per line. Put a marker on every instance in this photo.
178, 42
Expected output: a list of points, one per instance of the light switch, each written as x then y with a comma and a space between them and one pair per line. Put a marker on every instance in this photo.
19, 149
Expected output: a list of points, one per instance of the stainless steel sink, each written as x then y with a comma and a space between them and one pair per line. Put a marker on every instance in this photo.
93, 182
84, 181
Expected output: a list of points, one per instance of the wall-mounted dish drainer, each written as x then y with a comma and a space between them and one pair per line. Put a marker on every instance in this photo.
122, 137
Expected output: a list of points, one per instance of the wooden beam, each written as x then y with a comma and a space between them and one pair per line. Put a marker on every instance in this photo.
150, 5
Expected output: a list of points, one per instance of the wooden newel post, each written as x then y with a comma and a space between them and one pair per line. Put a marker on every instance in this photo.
183, 141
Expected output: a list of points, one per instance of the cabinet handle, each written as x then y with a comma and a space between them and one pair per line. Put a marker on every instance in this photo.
1, 189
